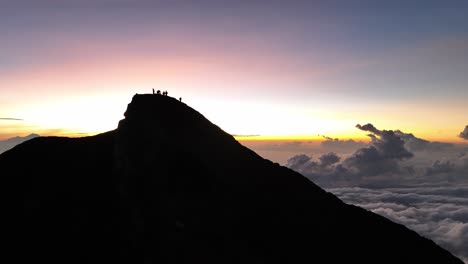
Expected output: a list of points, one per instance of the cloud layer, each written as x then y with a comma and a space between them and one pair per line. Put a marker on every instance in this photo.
391, 158
437, 212
418, 183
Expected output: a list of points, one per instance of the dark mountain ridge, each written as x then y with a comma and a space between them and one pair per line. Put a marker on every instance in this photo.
168, 186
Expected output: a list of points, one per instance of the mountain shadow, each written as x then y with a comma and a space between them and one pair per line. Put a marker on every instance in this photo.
168, 186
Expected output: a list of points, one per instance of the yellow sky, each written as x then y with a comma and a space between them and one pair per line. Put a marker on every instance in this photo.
99, 112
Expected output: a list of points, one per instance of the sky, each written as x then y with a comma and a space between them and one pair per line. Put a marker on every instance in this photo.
368, 99
278, 69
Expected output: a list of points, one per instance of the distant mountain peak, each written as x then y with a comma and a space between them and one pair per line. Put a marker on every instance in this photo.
12, 142
18, 138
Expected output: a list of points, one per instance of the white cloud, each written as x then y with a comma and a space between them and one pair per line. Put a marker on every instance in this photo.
439, 213
418, 183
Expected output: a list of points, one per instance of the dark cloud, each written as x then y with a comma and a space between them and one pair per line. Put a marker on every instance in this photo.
390, 145
10, 119
388, 160
383, 156
386, 149
412, 143
325, 165
441, 167
370, 162
464, 133
298, 161
417, 144
369, 128
329, 159
439, 213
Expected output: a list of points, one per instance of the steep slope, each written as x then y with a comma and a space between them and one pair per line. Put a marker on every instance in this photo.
168, 186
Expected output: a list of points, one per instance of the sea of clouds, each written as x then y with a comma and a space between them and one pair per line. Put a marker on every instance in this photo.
418, 183
436, 212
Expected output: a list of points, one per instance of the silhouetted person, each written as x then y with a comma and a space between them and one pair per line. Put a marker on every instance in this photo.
180, 99
158, 92
153, 90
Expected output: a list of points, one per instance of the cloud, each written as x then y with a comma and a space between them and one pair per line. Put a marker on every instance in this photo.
391, 158
464, 133
412, 143
10, 119
418, 183
382, 157
324, 166
370, 162
369, 128
387, 143
441, 167
417, 144
298, 161
439, 213
329, 159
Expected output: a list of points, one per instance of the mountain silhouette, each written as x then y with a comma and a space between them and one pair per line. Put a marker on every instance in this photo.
168, 186
11, 142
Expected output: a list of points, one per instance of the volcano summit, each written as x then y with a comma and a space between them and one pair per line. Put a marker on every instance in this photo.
168, 186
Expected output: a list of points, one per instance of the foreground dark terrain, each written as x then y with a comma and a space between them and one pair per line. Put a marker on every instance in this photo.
168, 186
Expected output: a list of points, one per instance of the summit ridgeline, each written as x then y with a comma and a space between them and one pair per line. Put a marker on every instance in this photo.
168, 186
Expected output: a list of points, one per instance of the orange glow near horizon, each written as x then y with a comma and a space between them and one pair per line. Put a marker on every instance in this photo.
15, 128
81, 115
87, 93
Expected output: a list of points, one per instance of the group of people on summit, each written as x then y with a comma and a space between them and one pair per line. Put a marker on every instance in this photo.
158, 92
